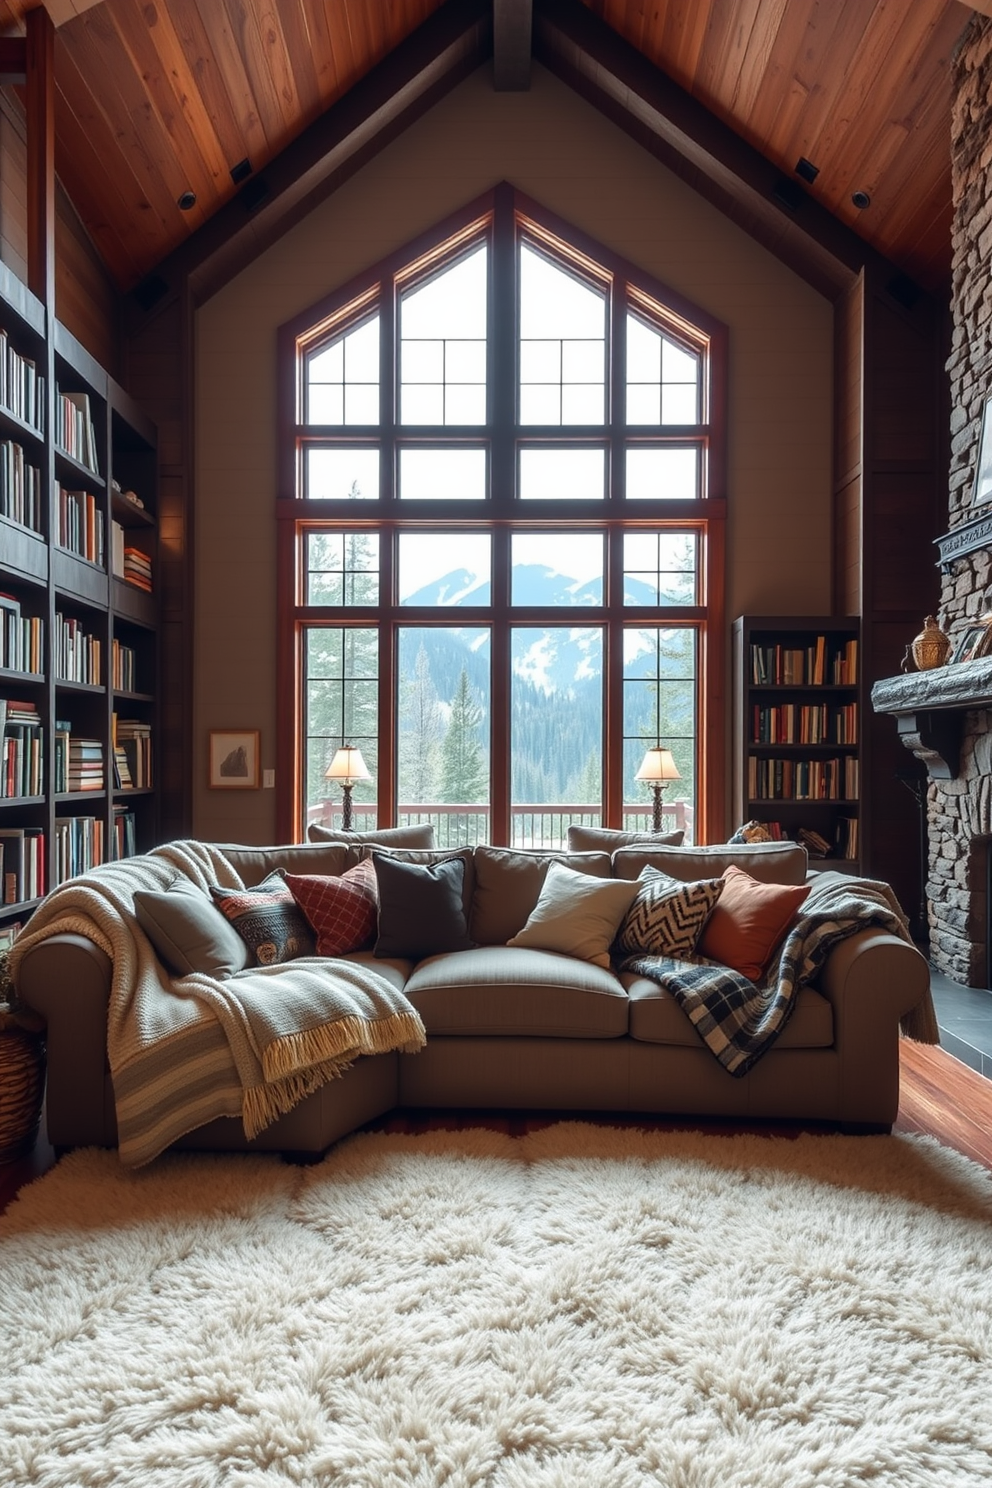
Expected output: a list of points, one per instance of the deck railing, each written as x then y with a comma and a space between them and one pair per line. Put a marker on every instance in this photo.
542, 825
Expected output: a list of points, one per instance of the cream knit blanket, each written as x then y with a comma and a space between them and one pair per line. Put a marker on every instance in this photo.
184, 1051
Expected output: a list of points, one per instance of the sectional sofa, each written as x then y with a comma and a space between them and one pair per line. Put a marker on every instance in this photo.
510, 1026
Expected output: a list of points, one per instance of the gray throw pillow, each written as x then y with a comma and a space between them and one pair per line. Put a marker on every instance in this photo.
188, 931
420, 835
421, 912
608, 839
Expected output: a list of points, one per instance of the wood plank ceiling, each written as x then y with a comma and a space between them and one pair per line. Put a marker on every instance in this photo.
156, 98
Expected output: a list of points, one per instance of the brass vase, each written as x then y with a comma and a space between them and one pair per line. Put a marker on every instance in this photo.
931, 647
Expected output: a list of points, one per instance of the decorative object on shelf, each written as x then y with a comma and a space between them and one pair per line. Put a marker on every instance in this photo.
973, 640
234, 759
657, 769
931, 647
22, 1066
983, 466
347, 768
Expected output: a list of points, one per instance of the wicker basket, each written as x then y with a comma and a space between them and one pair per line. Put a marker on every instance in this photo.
22, 1085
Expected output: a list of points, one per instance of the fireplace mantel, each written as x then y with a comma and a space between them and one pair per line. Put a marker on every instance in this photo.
929, 709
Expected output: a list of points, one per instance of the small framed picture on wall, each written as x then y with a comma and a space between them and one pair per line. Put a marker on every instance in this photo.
983, 470
234, 759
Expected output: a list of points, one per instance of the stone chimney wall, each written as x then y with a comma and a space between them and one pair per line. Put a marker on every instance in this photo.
960, 811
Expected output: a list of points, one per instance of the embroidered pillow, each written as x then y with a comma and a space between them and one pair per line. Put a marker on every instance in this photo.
576, 914
341, 911
668, 915
749, 921
269, 921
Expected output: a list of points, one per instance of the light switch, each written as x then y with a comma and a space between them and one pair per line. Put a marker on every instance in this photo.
268, 779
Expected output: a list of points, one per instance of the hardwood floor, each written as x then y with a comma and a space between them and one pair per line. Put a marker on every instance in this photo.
939, 1097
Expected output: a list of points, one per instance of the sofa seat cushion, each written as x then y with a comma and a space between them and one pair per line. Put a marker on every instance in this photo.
657, 1018
396, 969
512, 990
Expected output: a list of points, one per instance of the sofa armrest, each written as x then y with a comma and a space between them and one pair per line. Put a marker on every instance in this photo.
871, 979
67, 979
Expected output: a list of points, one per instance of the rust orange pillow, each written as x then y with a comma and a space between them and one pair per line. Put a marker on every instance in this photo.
748, 921
342, 911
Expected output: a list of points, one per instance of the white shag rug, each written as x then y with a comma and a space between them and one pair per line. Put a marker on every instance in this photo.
584, 1307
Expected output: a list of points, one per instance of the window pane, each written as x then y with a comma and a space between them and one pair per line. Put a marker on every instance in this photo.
443, 474
343, 378
659, 707
342, 474
563, 474
556, 568
341, 705
562, 340
659, 568
662, 474
443, 343
423, 404
556, 732
663, 379
445, 568
342, 568
443, 732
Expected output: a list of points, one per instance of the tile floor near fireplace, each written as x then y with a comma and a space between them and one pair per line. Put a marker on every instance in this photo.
964, 1016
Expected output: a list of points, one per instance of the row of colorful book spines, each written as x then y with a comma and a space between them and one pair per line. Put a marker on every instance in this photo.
22, 386
812, 665
78, 845
813, 723
803, 780
21, 762
22, 641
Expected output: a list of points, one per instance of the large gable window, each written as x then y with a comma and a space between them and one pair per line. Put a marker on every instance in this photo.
502, 511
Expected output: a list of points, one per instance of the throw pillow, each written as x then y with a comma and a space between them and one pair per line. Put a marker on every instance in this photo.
576, 914
668, 915
269, 921
188, 931
419, 835
749, 921
341, 911
606, 839
421, 912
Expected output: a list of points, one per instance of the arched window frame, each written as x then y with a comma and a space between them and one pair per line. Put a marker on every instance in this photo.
502, 218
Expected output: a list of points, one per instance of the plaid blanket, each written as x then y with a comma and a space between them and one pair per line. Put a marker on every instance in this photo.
739, 1020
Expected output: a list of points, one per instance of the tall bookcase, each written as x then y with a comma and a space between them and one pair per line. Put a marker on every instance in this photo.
79, 667
797, 728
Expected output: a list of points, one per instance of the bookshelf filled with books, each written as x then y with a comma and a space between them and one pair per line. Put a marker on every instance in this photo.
78, 631
796, 765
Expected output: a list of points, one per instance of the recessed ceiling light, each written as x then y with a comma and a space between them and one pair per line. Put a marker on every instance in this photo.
187, 201
861, 199
806, 169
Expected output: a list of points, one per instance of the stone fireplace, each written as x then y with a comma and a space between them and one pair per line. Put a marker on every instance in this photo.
945, 716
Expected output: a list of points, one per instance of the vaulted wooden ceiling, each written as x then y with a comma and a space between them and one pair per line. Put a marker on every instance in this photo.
156, 98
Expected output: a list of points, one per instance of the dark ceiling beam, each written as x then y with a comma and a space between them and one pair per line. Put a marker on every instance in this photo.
451, 43
620, 81
40, 108
512, 27
13, 60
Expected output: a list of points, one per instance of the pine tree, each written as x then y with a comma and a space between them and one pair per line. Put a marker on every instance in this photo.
464, 766
420, 734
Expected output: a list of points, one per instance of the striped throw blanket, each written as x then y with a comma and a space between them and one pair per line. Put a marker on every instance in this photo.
184, 1051
739, 1020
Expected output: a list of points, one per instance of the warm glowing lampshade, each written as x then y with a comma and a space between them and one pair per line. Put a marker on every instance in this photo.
346, 767
658, 765
657, 768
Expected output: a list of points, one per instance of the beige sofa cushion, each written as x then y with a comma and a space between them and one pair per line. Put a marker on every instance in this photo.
421, 835
508, 884
576, 914
256, 863
771, 862
609, 839
657, 1018
508, 990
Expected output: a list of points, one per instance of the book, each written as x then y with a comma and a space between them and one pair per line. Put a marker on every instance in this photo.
12, 840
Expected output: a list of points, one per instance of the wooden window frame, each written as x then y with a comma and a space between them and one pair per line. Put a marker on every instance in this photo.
503, 216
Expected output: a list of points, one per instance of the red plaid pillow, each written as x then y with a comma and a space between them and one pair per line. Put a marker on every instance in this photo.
342, 911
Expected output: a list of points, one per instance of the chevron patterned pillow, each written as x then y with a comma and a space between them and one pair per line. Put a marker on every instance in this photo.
668, 915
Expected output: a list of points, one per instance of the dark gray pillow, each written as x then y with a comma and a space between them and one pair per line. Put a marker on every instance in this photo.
421, 912
188, 931
420, 835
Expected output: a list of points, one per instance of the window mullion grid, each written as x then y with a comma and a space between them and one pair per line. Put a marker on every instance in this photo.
618, 396
502, 354
499, 683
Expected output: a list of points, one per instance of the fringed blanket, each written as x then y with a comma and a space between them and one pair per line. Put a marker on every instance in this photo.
739, 1020
184, 1051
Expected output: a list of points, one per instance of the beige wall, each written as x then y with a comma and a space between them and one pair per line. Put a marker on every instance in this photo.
559, 150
